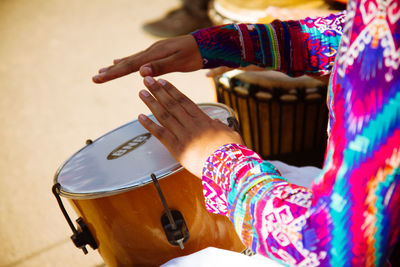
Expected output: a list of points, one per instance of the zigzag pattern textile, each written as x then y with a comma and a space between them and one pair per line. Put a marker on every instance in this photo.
350, 216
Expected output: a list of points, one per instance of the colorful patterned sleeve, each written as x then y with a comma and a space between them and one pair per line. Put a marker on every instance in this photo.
350, 215
296, 226
267, 211
296, 47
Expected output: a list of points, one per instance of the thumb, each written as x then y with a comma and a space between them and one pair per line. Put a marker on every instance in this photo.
160, 67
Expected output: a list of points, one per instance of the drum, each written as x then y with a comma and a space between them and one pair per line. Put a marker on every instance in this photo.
281, 118
136, 204
265, 11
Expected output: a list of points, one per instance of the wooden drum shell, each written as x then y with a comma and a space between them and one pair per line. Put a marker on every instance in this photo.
266, 11
127, 226
281, 118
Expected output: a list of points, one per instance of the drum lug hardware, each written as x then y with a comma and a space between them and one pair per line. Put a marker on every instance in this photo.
233, 124
81, 236
89, 142
173, 223
180, 234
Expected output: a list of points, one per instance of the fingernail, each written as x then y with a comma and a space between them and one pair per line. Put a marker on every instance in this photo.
146, 70
103, 69
144, 93
149, 80
142, 117
162, 82
98, 76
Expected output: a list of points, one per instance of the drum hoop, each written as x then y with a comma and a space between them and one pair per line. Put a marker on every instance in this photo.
100, 194
247, 16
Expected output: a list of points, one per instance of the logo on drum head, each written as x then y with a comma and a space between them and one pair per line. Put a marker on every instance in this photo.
128, 146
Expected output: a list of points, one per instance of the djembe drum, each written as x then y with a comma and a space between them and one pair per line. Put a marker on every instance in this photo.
281, 118
265, 11
135, 203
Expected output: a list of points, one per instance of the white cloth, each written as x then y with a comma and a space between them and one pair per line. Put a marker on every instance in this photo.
302, 176
211, 256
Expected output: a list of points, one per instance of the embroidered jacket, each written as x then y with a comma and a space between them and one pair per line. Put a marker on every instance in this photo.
351, 214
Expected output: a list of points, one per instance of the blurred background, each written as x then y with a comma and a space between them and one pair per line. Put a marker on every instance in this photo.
49, 50
49, 106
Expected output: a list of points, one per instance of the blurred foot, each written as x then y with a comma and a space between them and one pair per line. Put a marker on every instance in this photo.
178, 22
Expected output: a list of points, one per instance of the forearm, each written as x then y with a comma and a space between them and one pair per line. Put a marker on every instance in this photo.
224, 171
296, 47
266, 210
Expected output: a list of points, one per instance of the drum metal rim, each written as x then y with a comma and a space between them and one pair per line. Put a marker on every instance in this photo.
100, 194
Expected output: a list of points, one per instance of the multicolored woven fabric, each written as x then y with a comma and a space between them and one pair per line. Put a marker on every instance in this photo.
351, 214
295, 47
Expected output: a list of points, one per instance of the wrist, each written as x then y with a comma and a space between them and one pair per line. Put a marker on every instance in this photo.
227, 159
219, 46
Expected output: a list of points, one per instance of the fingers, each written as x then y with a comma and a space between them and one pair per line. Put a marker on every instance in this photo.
127, 65
188, 105
166, 100
118, 60
163, 115
175, 54
120, 69
159, 67
190, 138
146, 70
162, 134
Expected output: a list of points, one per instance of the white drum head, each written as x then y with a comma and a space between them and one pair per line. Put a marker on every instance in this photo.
121, 160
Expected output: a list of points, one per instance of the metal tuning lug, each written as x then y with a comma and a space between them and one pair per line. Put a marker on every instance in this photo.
89, 142
81, 236
172, 221
233, 123
180, 234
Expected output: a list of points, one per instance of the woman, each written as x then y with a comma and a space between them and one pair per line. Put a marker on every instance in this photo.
350, 215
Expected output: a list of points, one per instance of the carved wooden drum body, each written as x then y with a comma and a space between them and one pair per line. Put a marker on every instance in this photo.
281, 118
110, 186
265, 11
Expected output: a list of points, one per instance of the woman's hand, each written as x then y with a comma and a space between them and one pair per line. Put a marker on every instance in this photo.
189, 134
175, 54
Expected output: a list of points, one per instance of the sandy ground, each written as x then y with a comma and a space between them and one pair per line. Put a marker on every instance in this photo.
49, 49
